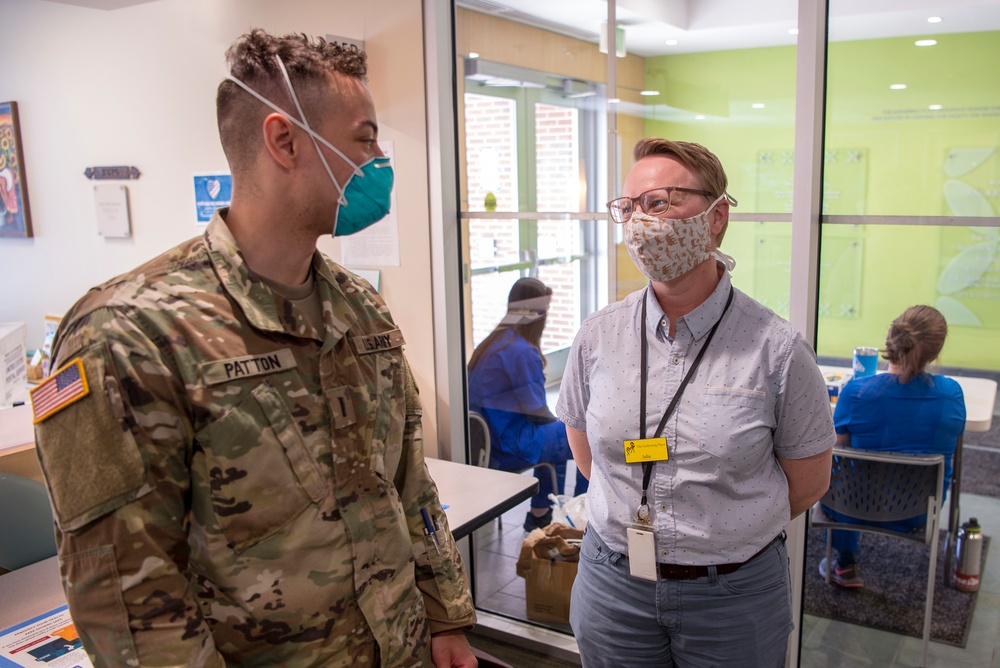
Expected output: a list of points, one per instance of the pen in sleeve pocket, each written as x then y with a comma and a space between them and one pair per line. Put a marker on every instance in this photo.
429, 528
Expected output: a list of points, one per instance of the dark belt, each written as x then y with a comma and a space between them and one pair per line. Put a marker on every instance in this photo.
681, 572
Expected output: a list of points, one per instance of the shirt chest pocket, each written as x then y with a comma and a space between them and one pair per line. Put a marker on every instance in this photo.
736, 423
258, 471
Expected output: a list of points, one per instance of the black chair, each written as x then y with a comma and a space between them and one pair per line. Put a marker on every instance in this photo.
479, 452
886, 487
27, 530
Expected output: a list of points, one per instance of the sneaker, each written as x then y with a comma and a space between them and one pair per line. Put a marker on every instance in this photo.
532, 522
847, 576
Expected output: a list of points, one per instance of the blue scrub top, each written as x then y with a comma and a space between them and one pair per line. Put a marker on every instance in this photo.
924, 416
507, 388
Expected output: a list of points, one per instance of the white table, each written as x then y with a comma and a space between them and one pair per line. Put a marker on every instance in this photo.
474, 496
980, 397
17, 433
30, 591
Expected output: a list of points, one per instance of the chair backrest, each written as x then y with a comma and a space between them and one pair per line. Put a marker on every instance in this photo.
885, 486
26, 526
479, 440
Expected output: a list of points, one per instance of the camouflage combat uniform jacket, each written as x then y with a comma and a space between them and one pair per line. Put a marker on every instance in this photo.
238, 487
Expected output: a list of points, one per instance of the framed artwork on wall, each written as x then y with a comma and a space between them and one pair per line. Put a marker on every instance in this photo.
15, 218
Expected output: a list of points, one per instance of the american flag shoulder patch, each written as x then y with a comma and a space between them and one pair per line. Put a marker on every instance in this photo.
67, 385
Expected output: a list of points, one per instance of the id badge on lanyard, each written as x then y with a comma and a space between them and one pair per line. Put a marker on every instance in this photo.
647, 451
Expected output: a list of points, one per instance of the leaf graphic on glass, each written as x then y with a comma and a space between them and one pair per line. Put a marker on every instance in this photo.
966, 268
986, 232
964, 200
961, 161
957, 313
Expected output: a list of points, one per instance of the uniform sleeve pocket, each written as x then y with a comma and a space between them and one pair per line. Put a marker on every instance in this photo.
260, 472
90, 456
440, 573
93, 584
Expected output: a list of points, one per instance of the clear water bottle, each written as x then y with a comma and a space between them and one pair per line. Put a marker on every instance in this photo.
968, 556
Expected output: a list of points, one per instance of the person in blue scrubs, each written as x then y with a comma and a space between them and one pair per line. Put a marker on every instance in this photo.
507, 387
904, 410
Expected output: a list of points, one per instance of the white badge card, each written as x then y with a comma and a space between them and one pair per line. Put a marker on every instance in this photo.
641, 553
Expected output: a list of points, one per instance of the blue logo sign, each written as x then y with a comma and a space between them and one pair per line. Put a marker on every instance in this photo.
211, 191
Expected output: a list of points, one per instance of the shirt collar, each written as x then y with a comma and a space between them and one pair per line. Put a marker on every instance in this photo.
699, 321
257, 301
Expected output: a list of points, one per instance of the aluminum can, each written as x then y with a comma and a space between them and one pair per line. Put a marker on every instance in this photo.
968, 556
865, 361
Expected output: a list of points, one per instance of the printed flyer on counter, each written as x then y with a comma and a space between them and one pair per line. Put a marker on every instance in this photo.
48, 640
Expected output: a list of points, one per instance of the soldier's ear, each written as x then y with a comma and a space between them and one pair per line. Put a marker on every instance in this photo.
280, 140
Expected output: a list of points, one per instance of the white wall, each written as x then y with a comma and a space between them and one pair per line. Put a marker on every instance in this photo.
136, 86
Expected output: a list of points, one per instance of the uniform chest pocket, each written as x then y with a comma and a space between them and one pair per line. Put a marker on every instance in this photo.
259, 473
736, 423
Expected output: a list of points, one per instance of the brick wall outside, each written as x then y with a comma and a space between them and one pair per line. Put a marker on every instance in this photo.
491, 159
557, 176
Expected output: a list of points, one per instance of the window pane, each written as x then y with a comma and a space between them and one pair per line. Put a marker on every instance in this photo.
491, 152
912, 167
740, 104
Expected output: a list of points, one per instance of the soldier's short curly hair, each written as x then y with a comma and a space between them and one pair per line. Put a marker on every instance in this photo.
251, 59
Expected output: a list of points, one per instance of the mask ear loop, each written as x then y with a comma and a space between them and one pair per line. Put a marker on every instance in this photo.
315, 137
725, 258
312, 135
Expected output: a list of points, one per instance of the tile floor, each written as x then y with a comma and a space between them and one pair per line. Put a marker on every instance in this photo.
825, 643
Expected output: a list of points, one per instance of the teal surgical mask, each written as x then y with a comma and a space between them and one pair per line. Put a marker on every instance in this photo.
365, 199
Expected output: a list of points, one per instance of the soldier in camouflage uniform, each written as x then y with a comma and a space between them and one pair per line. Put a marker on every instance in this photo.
241, 478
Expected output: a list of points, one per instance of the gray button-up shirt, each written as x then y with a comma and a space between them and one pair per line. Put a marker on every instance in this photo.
756, 395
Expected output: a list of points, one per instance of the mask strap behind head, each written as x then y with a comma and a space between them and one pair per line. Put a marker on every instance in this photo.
303, 124
312, 134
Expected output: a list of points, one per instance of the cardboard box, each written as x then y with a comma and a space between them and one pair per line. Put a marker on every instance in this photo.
13, 370
548, 563
547, 590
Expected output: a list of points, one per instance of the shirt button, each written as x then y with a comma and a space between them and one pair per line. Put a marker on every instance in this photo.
664, 553
662, 507
676, 360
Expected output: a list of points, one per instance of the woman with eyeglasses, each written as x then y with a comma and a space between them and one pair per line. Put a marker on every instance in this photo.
704, 424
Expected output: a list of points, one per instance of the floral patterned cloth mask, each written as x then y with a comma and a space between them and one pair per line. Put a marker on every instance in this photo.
665, 248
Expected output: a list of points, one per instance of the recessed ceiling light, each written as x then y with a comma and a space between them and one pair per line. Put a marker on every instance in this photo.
757, 105
898, 86
473, 54
793, 31
934, 107
699, 117
934, 19
614, 100
649, 93
671, 42
926, 42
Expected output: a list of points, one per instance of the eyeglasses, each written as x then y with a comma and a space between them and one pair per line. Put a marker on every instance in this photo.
653, 202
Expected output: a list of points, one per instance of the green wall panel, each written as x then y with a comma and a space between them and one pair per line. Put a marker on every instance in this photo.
887, 153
